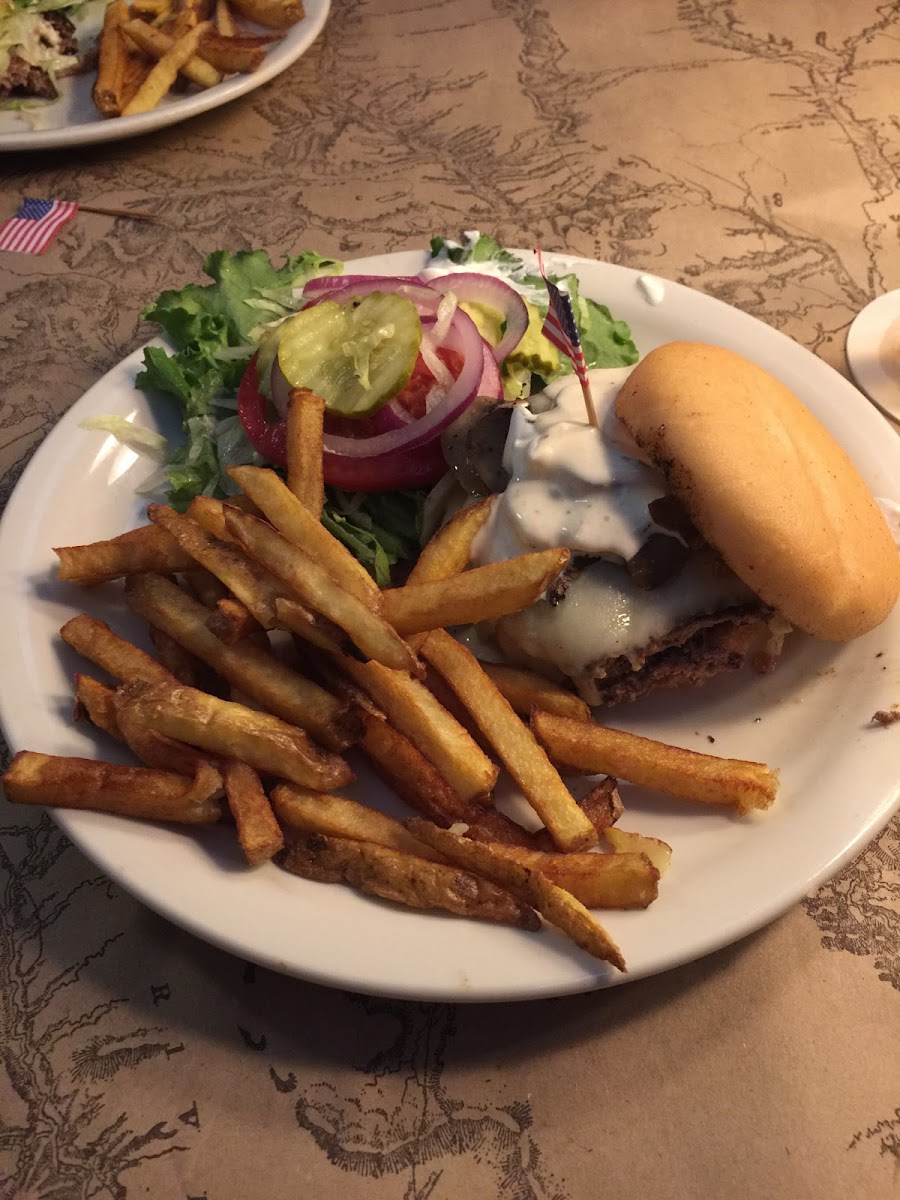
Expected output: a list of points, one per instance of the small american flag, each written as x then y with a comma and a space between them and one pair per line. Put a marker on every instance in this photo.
35, 225
561, 330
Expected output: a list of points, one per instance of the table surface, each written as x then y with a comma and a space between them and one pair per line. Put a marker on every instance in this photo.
746, 147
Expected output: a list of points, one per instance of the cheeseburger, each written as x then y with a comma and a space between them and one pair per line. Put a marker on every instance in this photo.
708, 515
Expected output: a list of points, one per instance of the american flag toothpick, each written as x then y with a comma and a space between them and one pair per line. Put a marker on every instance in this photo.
35, 225
561, 330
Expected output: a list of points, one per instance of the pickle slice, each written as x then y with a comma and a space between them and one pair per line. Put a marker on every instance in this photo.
356, 355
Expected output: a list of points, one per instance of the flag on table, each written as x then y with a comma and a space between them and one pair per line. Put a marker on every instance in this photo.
561, 330
35, 225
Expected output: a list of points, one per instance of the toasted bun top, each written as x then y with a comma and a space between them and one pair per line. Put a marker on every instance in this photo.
766, 485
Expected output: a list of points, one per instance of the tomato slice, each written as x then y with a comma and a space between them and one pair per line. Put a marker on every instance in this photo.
388, 472
413, 396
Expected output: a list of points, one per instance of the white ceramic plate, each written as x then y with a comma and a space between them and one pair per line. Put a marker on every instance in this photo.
811, 719
72, 120
873, 352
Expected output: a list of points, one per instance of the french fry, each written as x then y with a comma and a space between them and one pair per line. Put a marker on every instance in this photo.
210, 514
253, 586
596, 749
305, 421
97, 702
602, 806
179, 662
245, 666
526, 690
106, 787
232, 621
316, 589
304, 530
619, 881
120, 67
225, 25
258, 832
155, 749
449, 551
404, 878
411, 708
95, 641
271, 14
482, 594
237, 52
624, 842
224, 728
488, 824
146, 548
157, 44
531, 887
405, 768
337, 816
513, 741
164, 74
203, 586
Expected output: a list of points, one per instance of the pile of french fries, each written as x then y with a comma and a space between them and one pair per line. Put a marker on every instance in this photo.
151, 47
275, 653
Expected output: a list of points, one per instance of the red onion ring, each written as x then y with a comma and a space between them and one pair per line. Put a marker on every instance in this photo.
470, 287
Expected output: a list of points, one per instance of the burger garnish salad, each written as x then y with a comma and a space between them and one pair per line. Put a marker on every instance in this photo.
708, 514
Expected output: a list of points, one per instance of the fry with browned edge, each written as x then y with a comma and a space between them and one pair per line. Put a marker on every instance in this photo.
164, 74
271, 14
228, 729
482, 594
531, 887
157, 44
513, 741
121, 67
304, 530
258, 832
305, 433
107, 787
95, 641
146, 548
259, 674
596, 749
404, 878
526, 690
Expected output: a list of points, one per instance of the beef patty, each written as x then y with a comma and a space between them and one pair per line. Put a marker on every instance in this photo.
22, 80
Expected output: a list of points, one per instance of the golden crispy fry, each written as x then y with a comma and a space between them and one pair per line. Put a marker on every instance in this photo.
252, 585
146, 548
121, 68
203, 586
448, 552
513, 741
305, 419
245, 666
258, 832
271, 14
210, 514
105, 787
157, 44
336, 816
526, 690
318, 591
225, 25
243, 52
658, 851
95, 641
598, 880
404, 768
228, 729
404, 878
97, 702
487, 824
411, 708
602, 806
531, 887
155, 749
481, 594
595, 749
164, 74
315, 629
305, 531
232, 621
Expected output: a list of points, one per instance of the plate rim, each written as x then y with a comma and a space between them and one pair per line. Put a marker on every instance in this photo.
297, 40
780, 901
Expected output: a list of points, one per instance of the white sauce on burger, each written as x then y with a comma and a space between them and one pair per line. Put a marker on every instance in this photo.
585, 488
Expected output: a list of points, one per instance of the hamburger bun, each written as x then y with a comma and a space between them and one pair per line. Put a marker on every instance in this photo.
766, 485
